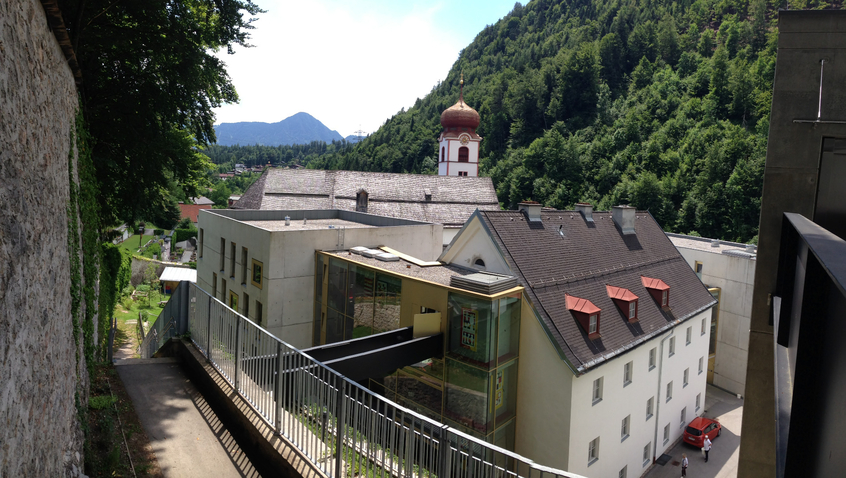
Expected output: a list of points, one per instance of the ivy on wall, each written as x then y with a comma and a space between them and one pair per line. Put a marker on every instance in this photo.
115, 274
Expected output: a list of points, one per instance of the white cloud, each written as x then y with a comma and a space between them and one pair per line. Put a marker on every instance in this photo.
348, 64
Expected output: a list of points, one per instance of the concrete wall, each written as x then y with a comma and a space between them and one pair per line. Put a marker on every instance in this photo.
287, 294
791, 176
475, 243
736, 277
39, 432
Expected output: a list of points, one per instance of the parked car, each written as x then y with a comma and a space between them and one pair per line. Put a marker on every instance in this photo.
694, 433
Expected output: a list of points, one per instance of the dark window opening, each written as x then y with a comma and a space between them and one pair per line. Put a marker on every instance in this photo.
443, 150
463, 154
361, 201
480, 263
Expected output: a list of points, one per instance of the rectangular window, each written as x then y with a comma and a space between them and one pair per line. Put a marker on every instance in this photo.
223, 290
702, 331
697, 267
222, 252
698, 400
664, 299
686, 377
597, 390
701, 359
243, 265
624, 428
627, 373
623, 472
672, 346
666, 433
200, 251
646, 450
669, 391
593, 451
233, 301
592, 324
688, 335
649, 404
246, 302
256, 274
683, 417
214, 285
632, 309
232, 260
259, 312
652, 354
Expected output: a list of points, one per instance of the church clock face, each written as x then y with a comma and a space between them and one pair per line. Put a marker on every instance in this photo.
464, 139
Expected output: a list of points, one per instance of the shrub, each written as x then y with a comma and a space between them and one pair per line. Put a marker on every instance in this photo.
184, 234
192, 265
158, 232
154, 248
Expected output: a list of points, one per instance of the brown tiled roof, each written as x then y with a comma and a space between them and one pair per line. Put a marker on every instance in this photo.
565, 255
192, 210
453, 199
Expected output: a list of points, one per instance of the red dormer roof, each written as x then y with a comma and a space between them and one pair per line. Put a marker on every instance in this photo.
620, 293
578, 304
656, 284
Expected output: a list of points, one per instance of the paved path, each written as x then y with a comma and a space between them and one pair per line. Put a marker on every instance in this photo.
186, 435
722, 461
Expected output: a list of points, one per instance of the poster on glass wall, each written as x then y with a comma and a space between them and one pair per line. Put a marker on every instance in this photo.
468, 328
498, 390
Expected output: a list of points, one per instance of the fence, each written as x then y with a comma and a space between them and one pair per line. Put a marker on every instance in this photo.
343, 428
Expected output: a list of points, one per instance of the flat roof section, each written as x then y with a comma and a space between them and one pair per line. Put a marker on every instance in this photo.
310, 225
706, 245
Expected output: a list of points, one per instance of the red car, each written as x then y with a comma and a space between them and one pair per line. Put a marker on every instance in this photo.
696, 430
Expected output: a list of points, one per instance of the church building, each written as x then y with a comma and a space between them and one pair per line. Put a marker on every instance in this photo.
459, 143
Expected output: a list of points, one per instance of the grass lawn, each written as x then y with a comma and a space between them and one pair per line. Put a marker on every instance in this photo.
131, 244
129, 331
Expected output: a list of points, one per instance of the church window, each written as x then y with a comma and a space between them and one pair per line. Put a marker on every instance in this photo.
361, 201
442, 153
463, 154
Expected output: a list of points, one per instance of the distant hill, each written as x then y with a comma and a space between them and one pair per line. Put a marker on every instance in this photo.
354, 138
301, 128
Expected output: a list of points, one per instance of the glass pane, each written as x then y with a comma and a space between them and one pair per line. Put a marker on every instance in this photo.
388, 297
508, 335
362, 290
466, 396
338, 327
504, 438
420, 389
471, 331
318, 278
505, 393
337, 285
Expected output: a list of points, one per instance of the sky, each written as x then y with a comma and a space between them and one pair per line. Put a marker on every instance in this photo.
350, 64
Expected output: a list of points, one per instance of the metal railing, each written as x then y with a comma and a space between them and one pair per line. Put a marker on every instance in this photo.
343, 428
167, 324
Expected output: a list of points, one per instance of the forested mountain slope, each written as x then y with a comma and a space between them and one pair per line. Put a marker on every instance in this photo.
662, 105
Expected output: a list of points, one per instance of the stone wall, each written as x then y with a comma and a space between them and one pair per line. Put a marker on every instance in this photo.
39, 363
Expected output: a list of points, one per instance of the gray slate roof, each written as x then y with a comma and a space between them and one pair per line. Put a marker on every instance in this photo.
453, 199
582, 262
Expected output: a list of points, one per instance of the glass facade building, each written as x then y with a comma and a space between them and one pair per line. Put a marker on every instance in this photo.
473, 386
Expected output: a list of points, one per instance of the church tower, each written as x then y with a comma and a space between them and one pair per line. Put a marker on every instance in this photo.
459, 143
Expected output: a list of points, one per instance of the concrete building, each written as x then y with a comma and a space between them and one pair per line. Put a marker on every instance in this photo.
262, 264
578, 339
728, 270
447, 200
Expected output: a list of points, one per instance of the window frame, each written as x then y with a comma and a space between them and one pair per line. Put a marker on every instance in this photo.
593, 323
253, 266
596, 391
633, 310
627, 373
222, 255
232, 248
653, 353
701, 361
625, 428
650, 407
688, 335
669, 391
244, 255
200, 251
672, 346
686, 377
593, 451
698, 401
702, 331
647, 450
683, 417
664, 296
666, 434
465, 158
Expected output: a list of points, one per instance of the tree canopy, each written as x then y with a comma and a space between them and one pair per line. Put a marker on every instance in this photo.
150, 81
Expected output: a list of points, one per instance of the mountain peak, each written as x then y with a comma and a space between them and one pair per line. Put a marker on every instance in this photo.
300, 128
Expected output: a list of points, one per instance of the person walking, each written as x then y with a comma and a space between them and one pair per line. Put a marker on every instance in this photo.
684, 464
706, 447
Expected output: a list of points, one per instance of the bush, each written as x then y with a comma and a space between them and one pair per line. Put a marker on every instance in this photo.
185, 223
192, 265
158, 232
153, 249
184, 234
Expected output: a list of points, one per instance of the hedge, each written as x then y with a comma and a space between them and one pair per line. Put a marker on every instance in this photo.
158, 232
183, 234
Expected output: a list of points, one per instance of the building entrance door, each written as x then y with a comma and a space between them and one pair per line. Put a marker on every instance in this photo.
712, 336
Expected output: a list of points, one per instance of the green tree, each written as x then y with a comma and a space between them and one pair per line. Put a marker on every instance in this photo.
150, 81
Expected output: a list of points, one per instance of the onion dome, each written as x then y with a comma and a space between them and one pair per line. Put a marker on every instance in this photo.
460, 114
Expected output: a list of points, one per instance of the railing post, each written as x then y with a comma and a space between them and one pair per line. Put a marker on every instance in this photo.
208, 331
341, 417
443, 456
277, 393
237, 352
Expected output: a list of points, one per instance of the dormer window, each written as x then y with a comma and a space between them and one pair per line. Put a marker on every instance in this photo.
625, 300
658, 289
427, 193
586, 314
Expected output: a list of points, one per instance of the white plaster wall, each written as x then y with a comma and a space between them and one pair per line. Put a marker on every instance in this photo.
543, 397
474, 243
604, 419
450, 166
736, 277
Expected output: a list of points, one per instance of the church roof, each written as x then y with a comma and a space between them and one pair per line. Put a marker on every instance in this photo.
460, 115
447, 200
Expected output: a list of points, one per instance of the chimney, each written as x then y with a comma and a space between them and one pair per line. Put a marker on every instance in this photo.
624, 216
531, 209
715, 243
586, 210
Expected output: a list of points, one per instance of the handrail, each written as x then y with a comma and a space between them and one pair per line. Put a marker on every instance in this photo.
342, 427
